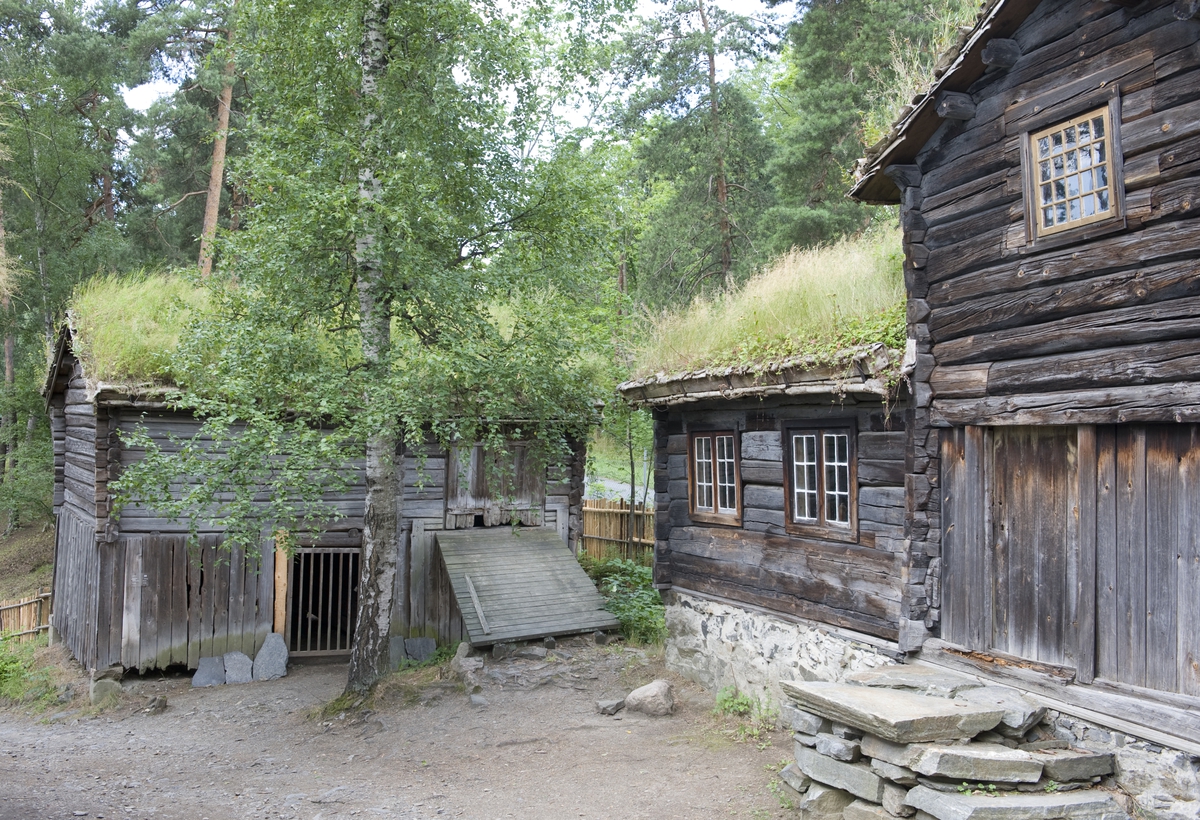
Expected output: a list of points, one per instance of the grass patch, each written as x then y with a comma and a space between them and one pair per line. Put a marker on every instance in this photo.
402, 687
24, 678
127, 327
629, 593
813, 303
27, 560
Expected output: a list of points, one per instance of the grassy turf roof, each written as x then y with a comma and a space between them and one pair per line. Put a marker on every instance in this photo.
125, 328
819, 305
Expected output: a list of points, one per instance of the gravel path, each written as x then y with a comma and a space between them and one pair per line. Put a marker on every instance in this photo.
537, 749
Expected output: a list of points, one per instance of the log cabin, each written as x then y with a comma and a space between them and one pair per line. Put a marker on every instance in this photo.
1047, 183
136, 590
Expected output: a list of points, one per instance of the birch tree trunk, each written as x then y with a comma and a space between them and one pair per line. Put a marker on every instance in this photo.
8, 419
216, 177
369, 655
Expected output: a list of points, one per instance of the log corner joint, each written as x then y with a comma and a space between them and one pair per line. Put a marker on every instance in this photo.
953, 105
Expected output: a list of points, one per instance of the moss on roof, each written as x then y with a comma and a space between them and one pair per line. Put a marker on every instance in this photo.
125, 328
815, 304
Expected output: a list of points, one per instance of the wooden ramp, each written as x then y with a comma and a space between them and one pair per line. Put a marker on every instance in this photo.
519, 586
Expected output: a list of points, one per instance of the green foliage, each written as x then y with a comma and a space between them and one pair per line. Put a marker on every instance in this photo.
127, 327
815, 303
22, 680
757, 717
732, 702
629, 593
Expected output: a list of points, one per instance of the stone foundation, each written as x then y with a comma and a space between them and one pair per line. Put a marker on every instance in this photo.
717, 645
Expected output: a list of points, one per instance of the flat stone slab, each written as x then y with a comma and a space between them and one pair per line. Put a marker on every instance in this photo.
796, 780
1020, 714
420, 649
923, 680
898, 754
1078, 805
855, 778
862, 810
800, 721
238, 667
986, 762
272, 659
1065, 765
209, 672
892, 714
896, 774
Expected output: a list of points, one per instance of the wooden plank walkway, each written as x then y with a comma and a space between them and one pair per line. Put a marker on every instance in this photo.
522, 585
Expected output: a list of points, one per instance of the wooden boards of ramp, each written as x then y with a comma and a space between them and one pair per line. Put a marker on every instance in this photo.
517, 585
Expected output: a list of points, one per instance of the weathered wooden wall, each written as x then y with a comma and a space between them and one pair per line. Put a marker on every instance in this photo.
852, 582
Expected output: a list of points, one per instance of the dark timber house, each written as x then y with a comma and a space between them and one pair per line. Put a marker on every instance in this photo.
1044, 527
132, 592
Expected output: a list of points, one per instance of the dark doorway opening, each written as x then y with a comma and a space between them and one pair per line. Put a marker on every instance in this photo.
322, 600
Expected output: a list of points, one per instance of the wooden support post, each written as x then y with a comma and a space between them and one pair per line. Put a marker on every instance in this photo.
281, 584
1001, 53
1187, 9
952, 105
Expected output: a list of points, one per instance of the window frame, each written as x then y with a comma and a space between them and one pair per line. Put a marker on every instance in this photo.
1108, 99
714, 514
821, 526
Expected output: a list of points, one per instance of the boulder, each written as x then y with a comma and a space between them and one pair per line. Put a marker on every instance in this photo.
209, 672
238, 667
923, 680
656, 699
983, 762
1020, 714
855, 778
272, 659
1077, 805
892, 714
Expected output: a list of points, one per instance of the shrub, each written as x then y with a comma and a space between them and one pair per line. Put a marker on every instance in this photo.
629, 593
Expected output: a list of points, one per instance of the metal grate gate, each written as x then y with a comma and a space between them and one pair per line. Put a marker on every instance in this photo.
322, 600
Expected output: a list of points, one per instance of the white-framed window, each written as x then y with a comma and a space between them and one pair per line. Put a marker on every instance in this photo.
1073, 182
820, 474
715, 485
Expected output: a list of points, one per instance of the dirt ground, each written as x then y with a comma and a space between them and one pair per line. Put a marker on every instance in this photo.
538, 749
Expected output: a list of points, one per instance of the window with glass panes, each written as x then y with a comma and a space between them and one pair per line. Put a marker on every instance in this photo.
820, 477
714, 471
1072, 174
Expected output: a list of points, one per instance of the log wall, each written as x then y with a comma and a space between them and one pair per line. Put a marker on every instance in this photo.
853, 581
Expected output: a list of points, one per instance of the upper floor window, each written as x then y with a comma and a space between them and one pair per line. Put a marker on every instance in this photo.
1073, 179
714, 475
820, 472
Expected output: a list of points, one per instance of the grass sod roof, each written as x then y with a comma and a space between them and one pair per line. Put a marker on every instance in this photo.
824, 320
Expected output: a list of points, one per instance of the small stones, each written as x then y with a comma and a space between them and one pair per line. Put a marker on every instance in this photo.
795, 779
209, 672
477, 700
156, 705
610, 707
656, 699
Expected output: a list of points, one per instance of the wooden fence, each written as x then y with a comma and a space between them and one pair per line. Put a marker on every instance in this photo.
606, 530
25, 619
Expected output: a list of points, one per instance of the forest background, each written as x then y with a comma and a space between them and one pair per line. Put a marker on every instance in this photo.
486, 205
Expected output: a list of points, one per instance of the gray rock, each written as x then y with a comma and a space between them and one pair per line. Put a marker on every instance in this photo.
923, 680
463, 663
656, 699
898, 754
894, 801
862, 810
837, 748
1065, 765
1020, 714
477, 700
1043, 745
845, 732
821, 802
531, 653
1163, 807
896, 774
272, 659
979, 761
901, 717
601, 638
209, 672
104, 690
1080, 805
805, 740
238, 668
856, 778
114, 672
800, 721
501, 651
549, 642
796, 780
420, 649
609, 707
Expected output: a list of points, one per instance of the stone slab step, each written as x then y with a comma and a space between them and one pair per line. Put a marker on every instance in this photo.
1078, 805
895, 715
981, 762
923, 680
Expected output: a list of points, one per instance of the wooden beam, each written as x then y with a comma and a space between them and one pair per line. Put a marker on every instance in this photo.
1002, 53
906, 176
281, 585
952, 105
1187, 9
